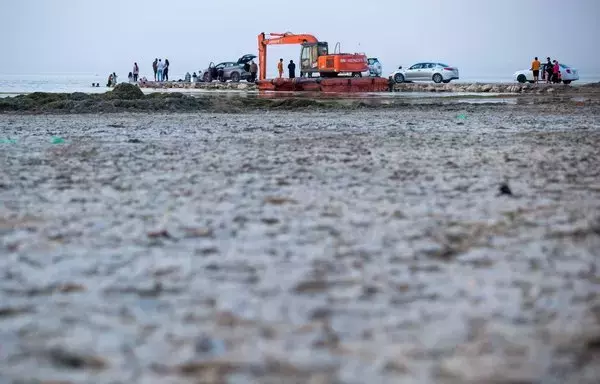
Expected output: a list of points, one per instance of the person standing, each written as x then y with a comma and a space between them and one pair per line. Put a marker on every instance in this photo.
155, 68
115, 81
556, 72
292, 69
161, 67
136, 72
535, 68
549, 71
253, 71
280, 68
166, 71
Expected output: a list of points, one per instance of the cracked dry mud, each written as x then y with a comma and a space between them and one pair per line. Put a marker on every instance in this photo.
302, 247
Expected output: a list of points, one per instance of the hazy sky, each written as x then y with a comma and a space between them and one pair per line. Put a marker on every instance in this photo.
478, 36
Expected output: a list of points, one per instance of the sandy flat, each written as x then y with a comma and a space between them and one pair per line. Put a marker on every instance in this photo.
368, 246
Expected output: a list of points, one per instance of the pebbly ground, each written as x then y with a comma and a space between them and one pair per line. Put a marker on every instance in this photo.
309, 247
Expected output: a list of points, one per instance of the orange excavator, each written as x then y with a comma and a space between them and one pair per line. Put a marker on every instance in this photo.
314, 56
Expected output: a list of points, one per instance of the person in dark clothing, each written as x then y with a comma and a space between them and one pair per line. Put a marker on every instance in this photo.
549, 71
292, 69
166, 71
155, 68
253, 71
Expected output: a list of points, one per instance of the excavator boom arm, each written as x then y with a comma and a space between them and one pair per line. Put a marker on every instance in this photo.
278, 39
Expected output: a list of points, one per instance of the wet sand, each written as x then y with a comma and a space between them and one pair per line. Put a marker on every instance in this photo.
359, 246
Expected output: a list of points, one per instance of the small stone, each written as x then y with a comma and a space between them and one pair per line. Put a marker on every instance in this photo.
505, 189
163, 233
71, 288
279, 200
308, 287
73, 360
198, 232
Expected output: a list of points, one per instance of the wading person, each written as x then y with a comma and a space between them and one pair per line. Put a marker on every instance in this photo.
535, 68
292, 69
280, 68
155, 68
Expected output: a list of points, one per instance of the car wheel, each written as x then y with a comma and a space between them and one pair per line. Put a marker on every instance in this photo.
437, 78
235, 77
207, 77
521, 78
357, 74
399, 78
567, 82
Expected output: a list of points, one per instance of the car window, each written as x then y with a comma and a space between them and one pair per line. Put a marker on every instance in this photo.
443, 65
371, 61
428, 65
416, 66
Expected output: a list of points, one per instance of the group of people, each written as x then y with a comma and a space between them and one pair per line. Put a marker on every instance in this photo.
291, 69
133, 76
112, 80
161, 69
550, 73
251, 67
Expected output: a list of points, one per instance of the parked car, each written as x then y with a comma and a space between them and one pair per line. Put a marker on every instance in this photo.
436, 72
567, 73
228, 70
375, 68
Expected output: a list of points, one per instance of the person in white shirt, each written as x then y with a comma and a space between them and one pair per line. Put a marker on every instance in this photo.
161, 68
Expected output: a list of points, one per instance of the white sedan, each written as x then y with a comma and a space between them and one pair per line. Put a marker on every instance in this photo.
567, 73
435, 72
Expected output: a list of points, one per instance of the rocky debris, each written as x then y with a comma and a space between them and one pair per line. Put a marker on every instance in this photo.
70, 359
130, 98
126, 91
514, 88
215, 85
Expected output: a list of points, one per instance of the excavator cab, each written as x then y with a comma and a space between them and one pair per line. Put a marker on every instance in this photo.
309, 57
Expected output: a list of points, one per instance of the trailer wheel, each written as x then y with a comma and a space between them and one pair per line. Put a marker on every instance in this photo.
357, 74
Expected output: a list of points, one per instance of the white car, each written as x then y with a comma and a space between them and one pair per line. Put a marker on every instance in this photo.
567, 74
435, 72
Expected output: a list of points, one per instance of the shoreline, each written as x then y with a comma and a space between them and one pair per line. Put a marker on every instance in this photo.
130, 98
